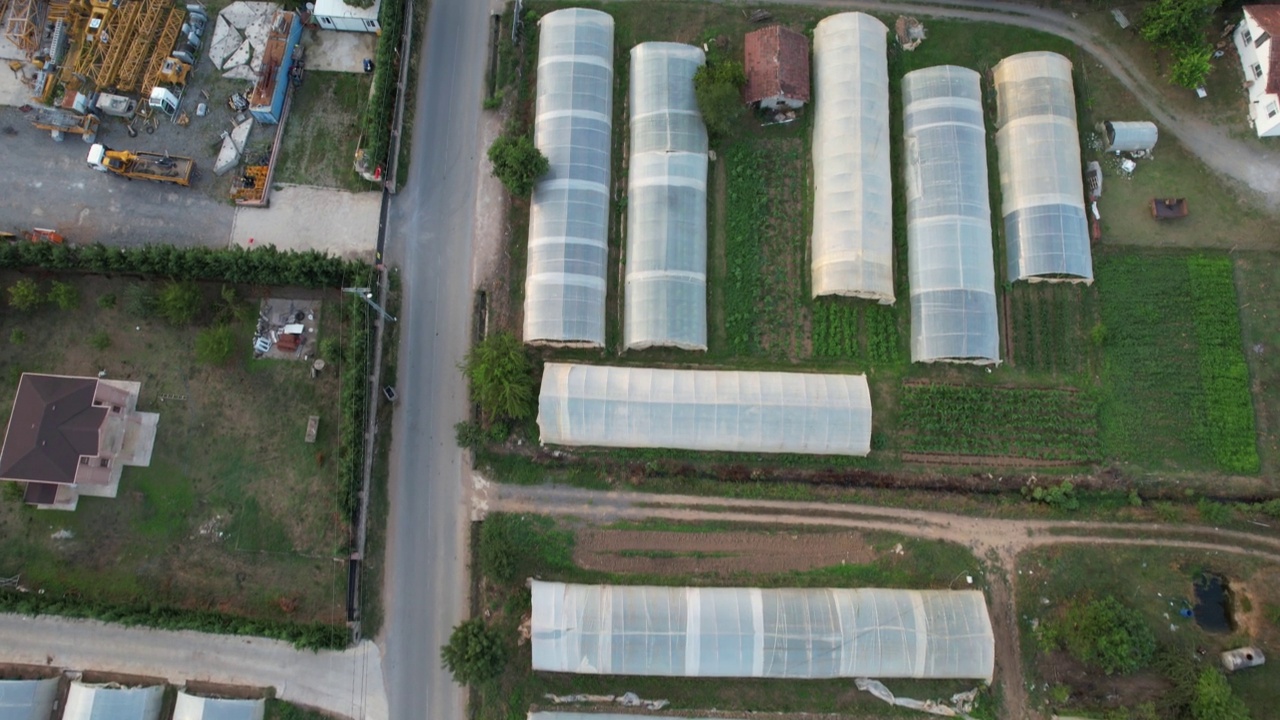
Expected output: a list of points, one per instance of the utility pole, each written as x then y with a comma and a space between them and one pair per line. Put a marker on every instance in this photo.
367, 295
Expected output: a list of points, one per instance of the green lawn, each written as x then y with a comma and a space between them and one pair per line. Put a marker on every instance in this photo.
235, 513
323, 130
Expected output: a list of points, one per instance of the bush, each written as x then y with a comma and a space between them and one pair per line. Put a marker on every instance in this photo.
475, 653
215, 345
1214, 699
179, 302
65, 295
25, 295
517, 163
100, 340
1214, 513
1177, 23
1192, 66
1106, 634
139, 301
14, 491
353, 404
108, 301
1059, 497
718, 87
331, 351
501, 377
380, 112
17, 336
473, 436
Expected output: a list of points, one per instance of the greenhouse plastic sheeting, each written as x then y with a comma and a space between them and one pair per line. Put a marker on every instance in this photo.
101, 702
1041, 177
568, 217
852, 198
753, 632
666, 283
950, 263
705, 409
28, 699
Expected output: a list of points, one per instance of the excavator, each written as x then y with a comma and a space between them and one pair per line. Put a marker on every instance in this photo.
163, 168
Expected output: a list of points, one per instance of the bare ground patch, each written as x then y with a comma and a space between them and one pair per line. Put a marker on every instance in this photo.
681, 553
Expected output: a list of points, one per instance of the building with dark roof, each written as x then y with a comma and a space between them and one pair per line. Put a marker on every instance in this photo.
1260, 60
72, 436
776, 61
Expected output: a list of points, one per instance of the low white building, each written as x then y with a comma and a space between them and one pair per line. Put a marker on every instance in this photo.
1261, 65
337, 15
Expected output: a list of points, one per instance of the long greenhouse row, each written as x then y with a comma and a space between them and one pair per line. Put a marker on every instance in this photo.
951, 274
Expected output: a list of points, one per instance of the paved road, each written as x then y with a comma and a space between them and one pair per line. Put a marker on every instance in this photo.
430, 237
346, 683
48, 184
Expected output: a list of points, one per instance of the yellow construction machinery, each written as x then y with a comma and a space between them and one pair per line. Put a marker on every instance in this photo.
163, 168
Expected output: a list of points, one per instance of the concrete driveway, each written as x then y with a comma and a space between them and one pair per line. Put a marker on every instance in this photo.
49, 184
302, 217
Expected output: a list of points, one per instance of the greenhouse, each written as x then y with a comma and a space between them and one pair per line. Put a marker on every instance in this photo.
28, 699
852, 194
1041, 178
195, 707
761, 633
568, 216
113, 702
950, 263
726, 410
666, 280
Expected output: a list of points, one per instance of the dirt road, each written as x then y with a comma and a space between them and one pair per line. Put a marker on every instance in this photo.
998, 542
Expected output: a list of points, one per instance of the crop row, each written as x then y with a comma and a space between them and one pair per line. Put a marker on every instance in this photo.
745, 214
883, 341
835, 329
1019, 422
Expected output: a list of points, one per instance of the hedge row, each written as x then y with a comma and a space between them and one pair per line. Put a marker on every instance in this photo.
354, 402
304, 636
380, 113
261, 266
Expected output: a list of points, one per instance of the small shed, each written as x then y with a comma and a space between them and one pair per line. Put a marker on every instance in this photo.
338, 15
266, 105
1130, 136
776, 61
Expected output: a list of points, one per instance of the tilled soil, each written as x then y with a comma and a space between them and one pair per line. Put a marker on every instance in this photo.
716, 553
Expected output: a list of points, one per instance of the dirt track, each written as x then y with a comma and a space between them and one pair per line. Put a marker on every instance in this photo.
995, 540
722, 553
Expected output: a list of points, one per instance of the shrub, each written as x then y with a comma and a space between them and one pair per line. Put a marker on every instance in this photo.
1214, 513
1214, 699
517, 163
1192, 66
718, 88
379, 113
14, 491
139, 301
1098, 334
179, 302
17, 336
1059, 497
475, 653
215, 345
25, 295
331, 351
1106, 634
1176, 23
100, 340
65, 295
501, 377
108, 301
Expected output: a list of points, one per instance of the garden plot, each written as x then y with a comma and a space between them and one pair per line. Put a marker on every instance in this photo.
237, 512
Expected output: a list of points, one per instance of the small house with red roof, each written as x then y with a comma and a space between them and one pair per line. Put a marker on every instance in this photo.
776, 61
1256, 43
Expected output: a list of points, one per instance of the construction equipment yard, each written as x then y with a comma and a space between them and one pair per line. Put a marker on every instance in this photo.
186, 85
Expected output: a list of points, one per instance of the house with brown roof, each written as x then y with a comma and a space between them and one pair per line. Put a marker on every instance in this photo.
776, 61
72, 436
1261, 63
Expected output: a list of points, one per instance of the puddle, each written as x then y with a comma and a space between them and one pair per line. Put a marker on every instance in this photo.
1213, 604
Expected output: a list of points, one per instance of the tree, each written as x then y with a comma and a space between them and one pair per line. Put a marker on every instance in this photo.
1177, 23
1214, 699
179, 302
517, 163
1192, 66
718, 88
501, 377
25, 295
1108, 635
475, 653
215, 345
65, 295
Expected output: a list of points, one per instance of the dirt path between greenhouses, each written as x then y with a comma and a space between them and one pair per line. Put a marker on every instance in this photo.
998, 542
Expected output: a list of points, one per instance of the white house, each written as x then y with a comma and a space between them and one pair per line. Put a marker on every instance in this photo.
1261, 63
337, 15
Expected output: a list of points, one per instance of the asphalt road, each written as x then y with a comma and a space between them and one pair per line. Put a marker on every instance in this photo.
345, 683
49, 184
429, 236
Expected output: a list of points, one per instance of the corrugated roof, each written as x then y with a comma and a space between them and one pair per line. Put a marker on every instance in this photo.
1267, 17
777, 64
53, 423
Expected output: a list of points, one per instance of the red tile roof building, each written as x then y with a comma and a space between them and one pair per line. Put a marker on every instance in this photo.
777, 66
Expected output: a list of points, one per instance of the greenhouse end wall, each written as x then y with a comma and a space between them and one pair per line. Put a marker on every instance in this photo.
565, 284
761, 633
950, 261
1041, 175
666, 277
852, 239
714, 410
